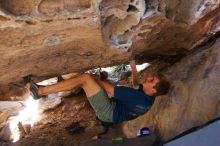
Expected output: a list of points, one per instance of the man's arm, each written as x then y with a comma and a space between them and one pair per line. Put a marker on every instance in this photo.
109, 88
135, 74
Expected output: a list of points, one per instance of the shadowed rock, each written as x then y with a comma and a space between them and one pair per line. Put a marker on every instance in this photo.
46, 37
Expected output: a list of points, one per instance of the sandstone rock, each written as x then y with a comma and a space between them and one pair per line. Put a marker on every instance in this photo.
21, 129
194, 98
51, 8
22, 7
50, 102
64, 108
5, 133
9, 109
46, 37
3, 119
27, 128
80, 106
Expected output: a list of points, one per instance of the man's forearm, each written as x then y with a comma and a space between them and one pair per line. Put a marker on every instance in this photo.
135, 74
109, 88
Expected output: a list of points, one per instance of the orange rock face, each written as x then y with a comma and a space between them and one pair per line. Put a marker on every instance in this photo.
46, 37
51, 8
18, 8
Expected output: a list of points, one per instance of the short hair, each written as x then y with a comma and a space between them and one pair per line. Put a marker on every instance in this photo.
163, 86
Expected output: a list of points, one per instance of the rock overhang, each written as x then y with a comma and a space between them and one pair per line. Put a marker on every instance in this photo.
45, 37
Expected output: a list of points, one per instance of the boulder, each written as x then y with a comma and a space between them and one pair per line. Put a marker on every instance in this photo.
45, 37
194, 98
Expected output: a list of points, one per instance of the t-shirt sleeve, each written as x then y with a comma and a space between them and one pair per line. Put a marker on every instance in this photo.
126, 93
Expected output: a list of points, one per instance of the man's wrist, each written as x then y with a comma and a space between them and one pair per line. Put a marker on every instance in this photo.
133, 64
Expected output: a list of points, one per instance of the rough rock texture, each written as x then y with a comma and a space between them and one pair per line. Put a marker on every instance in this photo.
193, 100
9, 109
46, 37
50, 130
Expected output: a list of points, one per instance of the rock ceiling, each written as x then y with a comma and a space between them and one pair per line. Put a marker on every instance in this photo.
46, 37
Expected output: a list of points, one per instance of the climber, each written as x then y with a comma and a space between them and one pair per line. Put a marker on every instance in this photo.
125, 103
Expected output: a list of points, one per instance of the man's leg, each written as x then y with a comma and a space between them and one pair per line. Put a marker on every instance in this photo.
109, 88
89, 85
96, 95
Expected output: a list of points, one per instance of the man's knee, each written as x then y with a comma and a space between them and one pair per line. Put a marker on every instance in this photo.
90, 86
87, 78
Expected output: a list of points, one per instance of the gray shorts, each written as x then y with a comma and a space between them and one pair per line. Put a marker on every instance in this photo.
102, 105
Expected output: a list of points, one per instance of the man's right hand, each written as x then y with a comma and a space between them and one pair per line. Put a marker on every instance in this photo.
135, 74
133, 64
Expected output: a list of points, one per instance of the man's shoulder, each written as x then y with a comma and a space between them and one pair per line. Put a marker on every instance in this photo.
126, 89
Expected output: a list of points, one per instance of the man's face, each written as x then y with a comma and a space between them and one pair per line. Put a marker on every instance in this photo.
149, 84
